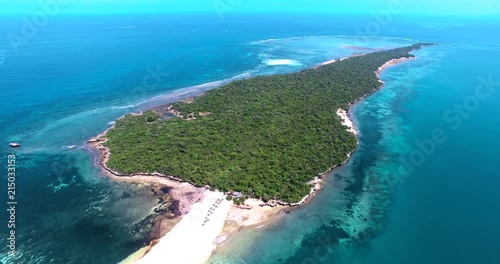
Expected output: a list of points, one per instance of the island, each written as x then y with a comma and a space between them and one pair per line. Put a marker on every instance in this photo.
261, 142
266, 137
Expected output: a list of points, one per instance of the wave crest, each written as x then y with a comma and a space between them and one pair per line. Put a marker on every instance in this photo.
275, 62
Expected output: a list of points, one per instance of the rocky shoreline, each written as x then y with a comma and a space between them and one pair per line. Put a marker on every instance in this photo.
187, 194
97, 143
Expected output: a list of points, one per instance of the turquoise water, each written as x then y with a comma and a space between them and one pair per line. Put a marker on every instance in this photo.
73, 79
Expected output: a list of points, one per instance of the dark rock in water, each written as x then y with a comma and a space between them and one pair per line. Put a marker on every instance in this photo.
174, 208
15, 145
165, 189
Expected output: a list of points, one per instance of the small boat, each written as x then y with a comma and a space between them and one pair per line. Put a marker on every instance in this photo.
15, 145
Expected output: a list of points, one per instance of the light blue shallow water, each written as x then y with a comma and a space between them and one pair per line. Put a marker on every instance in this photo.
74, 78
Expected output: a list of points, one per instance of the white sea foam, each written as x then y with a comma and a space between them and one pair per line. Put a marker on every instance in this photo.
191, 90
291, 38
282, 62
69, 147
123, 107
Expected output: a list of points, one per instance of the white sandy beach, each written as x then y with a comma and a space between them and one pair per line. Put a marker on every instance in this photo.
256, 214
346, 121
190, 241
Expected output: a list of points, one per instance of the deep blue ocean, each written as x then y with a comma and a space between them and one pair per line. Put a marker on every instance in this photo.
421, 188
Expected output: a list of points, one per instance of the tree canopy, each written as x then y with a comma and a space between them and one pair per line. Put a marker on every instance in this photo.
265, 137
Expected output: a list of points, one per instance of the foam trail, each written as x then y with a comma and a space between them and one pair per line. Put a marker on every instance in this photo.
69, 147
123, 107
190, 91
276, 62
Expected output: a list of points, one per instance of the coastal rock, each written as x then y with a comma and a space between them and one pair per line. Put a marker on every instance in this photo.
237, 194
94, 140
220, 239
245, 206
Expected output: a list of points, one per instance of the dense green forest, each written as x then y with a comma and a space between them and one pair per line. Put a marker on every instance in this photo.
265, 136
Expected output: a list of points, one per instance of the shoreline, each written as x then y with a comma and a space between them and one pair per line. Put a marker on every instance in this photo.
347, 116
252, 213
337, 60
196, 230
103, 153
346, 121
